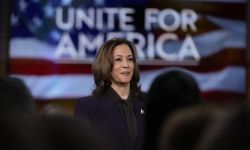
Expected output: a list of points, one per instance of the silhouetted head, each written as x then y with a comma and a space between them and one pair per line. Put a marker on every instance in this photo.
15, 95
169, 91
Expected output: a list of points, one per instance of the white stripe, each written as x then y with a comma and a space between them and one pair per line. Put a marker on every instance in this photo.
59, 86
228, 24
230, 79
31, 48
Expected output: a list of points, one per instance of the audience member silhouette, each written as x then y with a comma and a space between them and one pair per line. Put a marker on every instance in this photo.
20, 131
184, 128
15, 96
23, 128
169, 91
19, 128
231, 131
64, 132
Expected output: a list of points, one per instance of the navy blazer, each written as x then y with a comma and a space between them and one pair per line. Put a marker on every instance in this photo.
104, 113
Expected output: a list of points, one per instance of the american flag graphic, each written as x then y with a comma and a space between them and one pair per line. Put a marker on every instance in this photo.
220, 40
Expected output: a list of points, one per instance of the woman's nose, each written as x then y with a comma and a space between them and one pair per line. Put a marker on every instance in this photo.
125, 63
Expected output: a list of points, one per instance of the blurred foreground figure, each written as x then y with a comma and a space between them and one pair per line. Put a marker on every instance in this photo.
185, 127
18, 119
21, 131
170, 91
15, 96
229, 132
63, 132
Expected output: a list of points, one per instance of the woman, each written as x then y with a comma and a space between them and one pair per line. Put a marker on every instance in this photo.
115, 107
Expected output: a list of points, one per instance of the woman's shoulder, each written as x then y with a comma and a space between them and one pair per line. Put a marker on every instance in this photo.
85, 104
89, 100
85, 100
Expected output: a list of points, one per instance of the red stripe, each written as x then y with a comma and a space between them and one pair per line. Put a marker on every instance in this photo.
46, 67
227, 56
222, 97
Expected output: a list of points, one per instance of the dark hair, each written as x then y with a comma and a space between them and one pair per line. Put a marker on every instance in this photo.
103, 65
169, 91
175, 85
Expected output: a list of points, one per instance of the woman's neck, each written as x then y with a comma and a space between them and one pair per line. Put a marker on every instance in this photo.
122, 90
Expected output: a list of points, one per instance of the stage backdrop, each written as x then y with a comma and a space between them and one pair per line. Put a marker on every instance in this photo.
54, 42
4, 35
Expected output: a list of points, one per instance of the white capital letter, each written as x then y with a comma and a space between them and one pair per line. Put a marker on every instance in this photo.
188, 49
59, 19
65, 47
150, 18
189, 17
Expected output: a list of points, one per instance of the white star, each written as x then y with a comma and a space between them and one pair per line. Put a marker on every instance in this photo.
99, 2
37, 22
23, 5
49, 11
55, 35
32, 28
66, 2
14, 19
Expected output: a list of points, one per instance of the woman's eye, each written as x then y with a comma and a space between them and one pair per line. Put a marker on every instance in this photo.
130, 59
118, 59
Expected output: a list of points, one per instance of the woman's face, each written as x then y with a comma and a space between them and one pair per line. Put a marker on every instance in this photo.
123, 66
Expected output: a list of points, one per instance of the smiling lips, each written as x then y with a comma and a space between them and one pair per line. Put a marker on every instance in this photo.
125, 73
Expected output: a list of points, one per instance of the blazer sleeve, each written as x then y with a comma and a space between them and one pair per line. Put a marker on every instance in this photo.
82, 108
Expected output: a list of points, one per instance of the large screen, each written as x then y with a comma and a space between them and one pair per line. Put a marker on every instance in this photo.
54, 42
